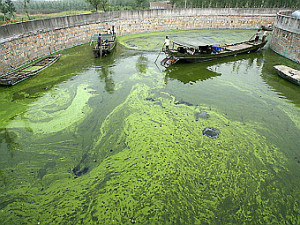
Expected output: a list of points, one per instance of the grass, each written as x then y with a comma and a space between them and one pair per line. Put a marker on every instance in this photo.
23, 17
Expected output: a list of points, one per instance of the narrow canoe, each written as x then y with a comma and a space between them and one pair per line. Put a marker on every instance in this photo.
21, 74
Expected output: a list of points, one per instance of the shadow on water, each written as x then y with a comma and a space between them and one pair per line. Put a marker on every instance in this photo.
142, 64
9, 139
106, 75
189, 73
105, 66
3, 179
201, 71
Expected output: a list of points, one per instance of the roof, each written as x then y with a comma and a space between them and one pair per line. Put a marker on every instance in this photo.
103, 36
184, 44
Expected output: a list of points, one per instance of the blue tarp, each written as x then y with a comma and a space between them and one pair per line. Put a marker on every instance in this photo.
216, 49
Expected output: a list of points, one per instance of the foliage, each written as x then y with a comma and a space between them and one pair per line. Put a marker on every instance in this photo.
26, 2
47, 7
7, 8
95, 4
104, 4
140, 3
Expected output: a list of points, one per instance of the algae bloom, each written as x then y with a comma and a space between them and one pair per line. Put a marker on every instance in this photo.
124, 143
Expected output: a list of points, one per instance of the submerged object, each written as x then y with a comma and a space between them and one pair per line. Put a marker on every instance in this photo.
211, 132
192, 53
202, 115
19, 75
288, 73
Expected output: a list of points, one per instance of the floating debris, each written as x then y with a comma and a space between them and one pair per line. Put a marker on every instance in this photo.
150, 99
211, 132
183, 102
202, 114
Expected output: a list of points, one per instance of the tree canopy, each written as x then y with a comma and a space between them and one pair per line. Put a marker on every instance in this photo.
53, 6
7, 8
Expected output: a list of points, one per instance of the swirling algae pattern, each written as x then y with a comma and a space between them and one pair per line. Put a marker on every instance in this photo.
162, 170
55, 111
152, 165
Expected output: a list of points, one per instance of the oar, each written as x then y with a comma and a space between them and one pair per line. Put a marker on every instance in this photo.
252, 37
159, 53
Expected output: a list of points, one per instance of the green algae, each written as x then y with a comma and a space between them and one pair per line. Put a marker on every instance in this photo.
14, 100
148, 160
55, 111
154, 41
33, 68
164, 171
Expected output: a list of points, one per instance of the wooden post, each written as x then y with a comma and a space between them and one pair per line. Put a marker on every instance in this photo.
101, 51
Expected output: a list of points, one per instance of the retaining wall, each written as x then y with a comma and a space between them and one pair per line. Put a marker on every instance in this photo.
21, 43
286, 36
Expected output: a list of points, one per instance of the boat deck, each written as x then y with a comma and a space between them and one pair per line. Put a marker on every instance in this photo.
238, 47
288, 73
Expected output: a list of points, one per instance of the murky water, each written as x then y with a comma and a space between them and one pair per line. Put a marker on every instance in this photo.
120, 140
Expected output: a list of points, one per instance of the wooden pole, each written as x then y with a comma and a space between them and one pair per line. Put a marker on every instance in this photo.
101, 50
159, 53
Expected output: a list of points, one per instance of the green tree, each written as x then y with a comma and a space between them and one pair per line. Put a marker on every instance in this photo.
139, 3
97, 4
104, 5
7, 8
26, 3
175, 2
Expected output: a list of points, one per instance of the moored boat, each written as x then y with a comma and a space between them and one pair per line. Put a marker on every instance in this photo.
288, 73
108, 43
191, 53
21, 74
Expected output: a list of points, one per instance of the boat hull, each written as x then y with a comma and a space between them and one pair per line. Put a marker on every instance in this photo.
107, 45
22, 74
184, 57
105, 51
288, 73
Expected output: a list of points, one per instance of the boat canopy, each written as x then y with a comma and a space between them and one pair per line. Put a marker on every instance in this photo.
296, 14
198, 48
103, 37
182, 44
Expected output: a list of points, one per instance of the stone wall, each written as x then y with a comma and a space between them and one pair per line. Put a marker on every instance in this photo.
286, 36
21, 43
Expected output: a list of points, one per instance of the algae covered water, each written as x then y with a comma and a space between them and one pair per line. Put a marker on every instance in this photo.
122, 140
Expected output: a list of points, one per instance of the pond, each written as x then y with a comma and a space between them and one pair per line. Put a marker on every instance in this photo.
123, 140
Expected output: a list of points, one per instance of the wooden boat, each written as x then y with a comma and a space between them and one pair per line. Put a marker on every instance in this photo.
191, 53
107, 46
288, 73
21, 74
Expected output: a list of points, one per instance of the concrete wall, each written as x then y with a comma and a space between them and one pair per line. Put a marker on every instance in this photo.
286, 36
21, 43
